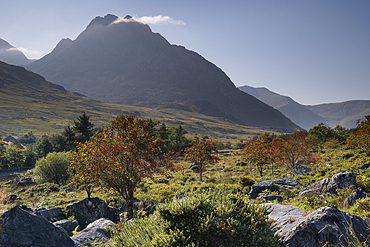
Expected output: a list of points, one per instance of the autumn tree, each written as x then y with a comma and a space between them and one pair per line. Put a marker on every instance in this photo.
291, 148
120, 157
201, 152
258, 151
361, 136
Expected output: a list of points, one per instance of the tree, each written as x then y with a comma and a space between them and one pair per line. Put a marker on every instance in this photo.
258, 151
120, 157
320, 134
201, 152
53, 168
42, 147
14, 157
291, 148
163, 133
177, 138
84, 128
361, 136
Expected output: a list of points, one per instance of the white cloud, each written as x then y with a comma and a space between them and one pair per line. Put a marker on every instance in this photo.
159, 20
29, 53
153, 20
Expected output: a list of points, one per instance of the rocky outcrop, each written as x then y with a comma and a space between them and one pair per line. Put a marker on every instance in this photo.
91, 209
68, 225
51, 215
283, 214
272, 185
363, 166
23, 228
300, 170
325, 226
351, 199
147, 207
331, 185
94, 231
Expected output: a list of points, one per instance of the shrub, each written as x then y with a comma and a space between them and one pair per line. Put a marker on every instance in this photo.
52, 168
202, 219
245, 181
42, 189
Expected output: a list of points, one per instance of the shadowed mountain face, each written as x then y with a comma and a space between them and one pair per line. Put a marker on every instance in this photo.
123, 61
11, 55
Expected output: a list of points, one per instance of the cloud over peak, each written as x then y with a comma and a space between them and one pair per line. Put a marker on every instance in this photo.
153, 20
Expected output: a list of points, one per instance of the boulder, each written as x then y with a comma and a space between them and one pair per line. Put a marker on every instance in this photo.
283, 214
147, 206
326, 226
330, 185
351, 199
363, 166
96, 230
23, 228
26, 181
11, 198
90, 209
300, 170
272, 185
68, 225
51, 215
271, 198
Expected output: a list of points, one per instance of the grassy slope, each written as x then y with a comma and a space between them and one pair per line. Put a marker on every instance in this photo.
28, 102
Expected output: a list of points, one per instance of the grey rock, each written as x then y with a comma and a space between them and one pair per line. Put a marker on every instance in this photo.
94, 231
351, 199
179, 197
331, 185
271, 198
363, 166
69, 190
51, 215
11, 198
326, 225
90, 209
300, 170
22, 228
68, 225
26, 181
192, 164
272, 185
147, 206
283, 214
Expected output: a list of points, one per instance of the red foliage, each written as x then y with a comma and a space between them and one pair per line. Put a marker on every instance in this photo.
361, 137
120, 157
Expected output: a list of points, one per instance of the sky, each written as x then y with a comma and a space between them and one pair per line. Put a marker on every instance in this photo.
315, 51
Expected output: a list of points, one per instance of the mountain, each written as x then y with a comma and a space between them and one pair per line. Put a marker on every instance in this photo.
122, 61
11, 55
296, 112
345, 114
29, 102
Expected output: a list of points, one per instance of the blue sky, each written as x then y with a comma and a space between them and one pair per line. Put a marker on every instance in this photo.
313, 51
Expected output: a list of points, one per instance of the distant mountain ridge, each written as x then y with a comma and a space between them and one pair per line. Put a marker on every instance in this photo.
11, 55
123, 61
345, 113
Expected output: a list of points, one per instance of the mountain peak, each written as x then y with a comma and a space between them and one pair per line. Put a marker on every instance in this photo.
102, 21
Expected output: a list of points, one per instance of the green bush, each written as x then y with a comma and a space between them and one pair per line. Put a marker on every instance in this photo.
246, 181
52, 168
202, 219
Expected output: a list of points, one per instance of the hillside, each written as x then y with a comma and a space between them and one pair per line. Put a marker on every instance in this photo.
344, 113
29, 102
122, 61
11, 55
296, 112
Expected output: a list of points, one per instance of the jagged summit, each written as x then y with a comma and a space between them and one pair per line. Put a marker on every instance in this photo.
102, 21
121, 60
